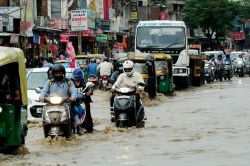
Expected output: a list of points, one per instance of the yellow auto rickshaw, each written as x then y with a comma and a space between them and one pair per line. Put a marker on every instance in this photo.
164, 74
13, 107
144, 64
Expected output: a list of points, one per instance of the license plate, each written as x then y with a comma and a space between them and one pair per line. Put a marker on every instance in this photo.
39, 110
104, 81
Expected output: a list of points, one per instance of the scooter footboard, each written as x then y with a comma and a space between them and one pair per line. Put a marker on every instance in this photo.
123, 103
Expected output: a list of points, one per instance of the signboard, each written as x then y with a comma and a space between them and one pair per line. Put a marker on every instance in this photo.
106, 25
64, 37
101, 38
238, 35
29, 31
79, 20
58, 23
133, 13
14, 39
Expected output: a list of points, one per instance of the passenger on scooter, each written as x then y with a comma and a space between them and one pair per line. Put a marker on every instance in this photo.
128, 77
78, 80
49, 73
59, 85
105, 68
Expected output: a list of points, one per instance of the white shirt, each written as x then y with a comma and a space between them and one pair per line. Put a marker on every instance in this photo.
105, 68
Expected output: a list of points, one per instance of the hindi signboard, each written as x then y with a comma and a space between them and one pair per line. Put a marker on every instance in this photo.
79, 20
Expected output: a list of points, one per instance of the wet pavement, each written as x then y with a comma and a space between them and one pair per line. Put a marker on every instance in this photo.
208, 126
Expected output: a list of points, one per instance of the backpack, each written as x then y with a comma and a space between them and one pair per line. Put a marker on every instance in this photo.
68, 81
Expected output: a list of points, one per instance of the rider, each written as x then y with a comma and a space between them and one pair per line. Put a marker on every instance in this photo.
92, 67
105, 68
228, 59
129, 77
78, 79
59, 85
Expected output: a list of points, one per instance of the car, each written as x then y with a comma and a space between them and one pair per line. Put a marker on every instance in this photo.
66, 63
216, 53
36, 78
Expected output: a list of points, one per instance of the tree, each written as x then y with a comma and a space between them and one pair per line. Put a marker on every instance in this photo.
214, 17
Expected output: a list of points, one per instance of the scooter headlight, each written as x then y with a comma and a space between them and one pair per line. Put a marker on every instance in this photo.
162, 77
55, 100
124, 90
1, 109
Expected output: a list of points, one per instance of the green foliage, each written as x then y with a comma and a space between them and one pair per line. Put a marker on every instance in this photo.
213, 16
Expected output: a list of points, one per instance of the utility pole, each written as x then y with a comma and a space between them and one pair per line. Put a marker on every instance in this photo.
24, 7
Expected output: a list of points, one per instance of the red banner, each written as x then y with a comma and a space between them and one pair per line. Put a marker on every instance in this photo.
106, 9
64, 37
238, 35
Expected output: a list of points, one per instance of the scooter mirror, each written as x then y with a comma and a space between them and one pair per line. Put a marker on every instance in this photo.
38, 90
89, 84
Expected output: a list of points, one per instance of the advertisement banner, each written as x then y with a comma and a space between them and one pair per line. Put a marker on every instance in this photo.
64, 37
238, 35
58, 23
27, 10
101, 38
79, 20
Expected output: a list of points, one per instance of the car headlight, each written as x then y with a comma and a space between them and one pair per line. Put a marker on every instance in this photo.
55, 100
180, 70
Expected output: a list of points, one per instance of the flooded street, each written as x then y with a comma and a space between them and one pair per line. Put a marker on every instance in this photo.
208, 126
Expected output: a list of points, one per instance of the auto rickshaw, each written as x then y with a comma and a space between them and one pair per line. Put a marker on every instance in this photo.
13, 113
144, 64
164, 74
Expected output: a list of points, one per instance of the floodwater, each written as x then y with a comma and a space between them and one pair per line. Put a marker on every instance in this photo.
202, 126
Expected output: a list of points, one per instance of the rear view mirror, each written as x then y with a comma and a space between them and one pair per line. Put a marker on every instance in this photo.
38, 90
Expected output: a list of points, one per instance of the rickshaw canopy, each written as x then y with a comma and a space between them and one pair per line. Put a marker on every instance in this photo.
10, 55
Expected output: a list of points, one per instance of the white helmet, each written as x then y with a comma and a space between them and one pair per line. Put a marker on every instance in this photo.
128, 67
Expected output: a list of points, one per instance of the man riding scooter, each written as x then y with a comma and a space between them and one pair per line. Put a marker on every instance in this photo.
129, 78
105, 70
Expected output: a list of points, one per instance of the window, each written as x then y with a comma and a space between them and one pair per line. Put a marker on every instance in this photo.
55, 8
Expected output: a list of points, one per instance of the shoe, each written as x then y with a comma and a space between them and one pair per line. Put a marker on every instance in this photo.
80, 130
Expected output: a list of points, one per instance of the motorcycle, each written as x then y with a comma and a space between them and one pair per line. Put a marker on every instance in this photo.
94, 79
57, 116
209, 72
104, 82
228, 71
127, 112
240, 68
219, 71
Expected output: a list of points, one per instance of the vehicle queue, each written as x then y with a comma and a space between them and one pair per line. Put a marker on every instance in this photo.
156, 71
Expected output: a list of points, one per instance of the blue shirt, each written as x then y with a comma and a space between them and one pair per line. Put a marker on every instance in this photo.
48, 64
59, 88
92, 68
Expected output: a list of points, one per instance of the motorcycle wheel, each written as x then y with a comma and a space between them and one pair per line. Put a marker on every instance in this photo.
68, 130
120, 124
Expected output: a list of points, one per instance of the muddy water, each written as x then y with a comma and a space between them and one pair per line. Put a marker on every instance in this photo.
205, 126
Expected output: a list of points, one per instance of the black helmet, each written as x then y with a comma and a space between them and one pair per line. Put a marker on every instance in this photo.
211, 55
228, 55
57, 68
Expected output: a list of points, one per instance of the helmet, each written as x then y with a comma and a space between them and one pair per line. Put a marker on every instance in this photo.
128, 67
58, 72
77, 74
93, 60
228, 55
219, 56
211, 56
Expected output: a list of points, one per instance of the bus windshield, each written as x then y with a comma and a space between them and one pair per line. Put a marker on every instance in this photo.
160, 37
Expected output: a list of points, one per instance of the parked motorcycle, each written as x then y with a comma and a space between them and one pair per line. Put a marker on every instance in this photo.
228, 71
209, 72
127, 112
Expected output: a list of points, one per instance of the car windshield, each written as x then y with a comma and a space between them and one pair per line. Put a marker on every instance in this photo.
38, 79
160, 65
160, 37
141, 67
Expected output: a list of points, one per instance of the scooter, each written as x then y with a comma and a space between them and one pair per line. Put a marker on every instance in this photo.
209, 72
127, 112
104, 82
240, 68
57, 116
94, 79
228, 71
219, 71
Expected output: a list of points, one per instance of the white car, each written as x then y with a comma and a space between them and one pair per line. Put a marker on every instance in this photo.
36, 78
